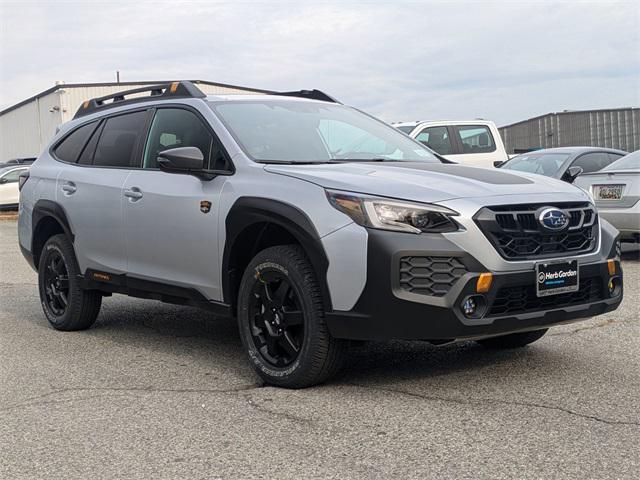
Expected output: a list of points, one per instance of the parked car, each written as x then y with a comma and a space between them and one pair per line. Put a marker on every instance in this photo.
310, 222
17, 161
564, 163
616, 191
472, 142
9, 194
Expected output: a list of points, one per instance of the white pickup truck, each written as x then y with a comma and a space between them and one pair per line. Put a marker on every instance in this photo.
471, 142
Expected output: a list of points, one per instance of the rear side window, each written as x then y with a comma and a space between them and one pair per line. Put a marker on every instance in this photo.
476, 139
119, 140
69, 149
436, 138
592, 162
613, 157
86, 157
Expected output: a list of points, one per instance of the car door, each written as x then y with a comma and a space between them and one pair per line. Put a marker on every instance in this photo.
171, 220
9, 193
90, 187
476, 145
437, 138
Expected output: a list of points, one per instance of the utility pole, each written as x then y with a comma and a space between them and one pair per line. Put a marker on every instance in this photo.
117, 76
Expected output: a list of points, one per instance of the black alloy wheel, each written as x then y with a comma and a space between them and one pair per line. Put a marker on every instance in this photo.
277, 322
56, 283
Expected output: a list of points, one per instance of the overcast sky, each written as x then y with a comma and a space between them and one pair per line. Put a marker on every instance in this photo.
503, 61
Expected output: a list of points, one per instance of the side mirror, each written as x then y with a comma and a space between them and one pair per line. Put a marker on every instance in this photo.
3, 181
185, 160
498, 163
181, 160
571, 174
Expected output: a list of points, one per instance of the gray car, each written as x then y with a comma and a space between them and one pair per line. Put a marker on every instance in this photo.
616, 191
564, 163
310, 223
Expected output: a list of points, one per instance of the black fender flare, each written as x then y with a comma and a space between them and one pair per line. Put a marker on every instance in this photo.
247, 211
49, 208
41, 210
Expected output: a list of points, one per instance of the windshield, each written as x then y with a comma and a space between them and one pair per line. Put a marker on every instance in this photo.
628, 162
542, 163
295, 131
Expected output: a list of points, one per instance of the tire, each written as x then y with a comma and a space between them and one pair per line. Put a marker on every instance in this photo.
514, 340
66, 305
281, 320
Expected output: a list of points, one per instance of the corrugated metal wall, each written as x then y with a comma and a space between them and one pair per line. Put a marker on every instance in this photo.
26, 130
616, 128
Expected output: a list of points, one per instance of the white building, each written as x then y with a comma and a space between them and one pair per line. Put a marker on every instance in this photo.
27, 127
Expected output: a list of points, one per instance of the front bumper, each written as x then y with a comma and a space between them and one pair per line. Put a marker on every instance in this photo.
387, 311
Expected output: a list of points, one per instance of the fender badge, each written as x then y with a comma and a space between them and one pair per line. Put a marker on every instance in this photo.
101, 277
205, 206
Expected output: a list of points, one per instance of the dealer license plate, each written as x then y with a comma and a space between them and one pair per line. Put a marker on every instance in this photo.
553, 278
608, 192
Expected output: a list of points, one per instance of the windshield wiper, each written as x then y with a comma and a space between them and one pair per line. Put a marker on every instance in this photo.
378, 159
292, 162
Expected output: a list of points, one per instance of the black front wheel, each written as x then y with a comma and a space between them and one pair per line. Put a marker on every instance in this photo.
281, 320
66, 305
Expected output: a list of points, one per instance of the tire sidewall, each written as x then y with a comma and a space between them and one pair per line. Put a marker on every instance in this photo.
310, 313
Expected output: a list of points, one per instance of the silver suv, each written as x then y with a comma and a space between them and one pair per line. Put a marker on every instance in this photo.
311, 222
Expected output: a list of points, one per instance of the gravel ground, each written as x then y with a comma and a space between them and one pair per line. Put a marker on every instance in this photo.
159, 391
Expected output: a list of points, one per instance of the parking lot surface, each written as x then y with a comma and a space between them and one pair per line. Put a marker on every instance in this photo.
160, 391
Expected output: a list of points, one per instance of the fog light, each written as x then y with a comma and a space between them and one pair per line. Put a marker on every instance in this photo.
469, 306
613, 287
474, 306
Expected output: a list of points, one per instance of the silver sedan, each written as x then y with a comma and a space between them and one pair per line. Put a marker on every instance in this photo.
616, 191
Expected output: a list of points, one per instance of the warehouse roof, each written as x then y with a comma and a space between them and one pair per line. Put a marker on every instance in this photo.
124, 85
569, 112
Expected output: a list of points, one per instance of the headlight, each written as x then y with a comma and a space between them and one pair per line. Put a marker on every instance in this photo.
386, 214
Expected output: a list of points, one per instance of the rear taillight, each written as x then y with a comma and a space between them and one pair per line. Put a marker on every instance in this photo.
22, 179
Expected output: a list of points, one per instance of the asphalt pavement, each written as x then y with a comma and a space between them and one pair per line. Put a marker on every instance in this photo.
160, 391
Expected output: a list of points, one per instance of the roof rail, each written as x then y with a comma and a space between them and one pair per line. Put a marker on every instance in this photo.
311, 94
182, 89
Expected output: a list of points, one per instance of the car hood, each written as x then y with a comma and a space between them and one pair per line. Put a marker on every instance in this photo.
426, 182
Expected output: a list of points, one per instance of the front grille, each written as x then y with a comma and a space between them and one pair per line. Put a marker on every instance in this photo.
430, 275
514, 300
517, 234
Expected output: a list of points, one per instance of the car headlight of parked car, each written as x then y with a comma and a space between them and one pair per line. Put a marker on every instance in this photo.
399, 216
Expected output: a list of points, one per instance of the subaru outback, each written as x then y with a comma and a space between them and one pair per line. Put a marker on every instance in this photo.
312, 223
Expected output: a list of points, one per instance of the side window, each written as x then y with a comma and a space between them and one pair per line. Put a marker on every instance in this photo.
613, 157
476, 139
86, 157
592, 162
437, 139
12, 176
69, 149
177, 127
118, 142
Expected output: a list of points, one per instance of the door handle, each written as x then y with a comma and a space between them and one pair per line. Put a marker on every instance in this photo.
69, 188
134, 193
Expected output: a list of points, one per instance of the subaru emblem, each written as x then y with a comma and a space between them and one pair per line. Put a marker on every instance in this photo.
553, 219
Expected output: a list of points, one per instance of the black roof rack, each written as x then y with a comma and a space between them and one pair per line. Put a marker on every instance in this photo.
311, 94
182, 89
